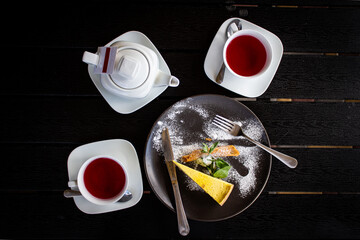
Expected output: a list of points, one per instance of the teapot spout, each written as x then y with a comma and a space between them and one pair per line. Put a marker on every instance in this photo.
164, 79
173, 82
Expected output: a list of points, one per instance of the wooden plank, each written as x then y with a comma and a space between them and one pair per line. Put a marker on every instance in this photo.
333, 3
307, 3
298, 76
42, 167
77, 25
319, 170
50, 215
308, 76
69, 119
50, 107
311, 34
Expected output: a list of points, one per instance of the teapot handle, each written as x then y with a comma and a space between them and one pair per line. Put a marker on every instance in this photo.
90, 58
164, 79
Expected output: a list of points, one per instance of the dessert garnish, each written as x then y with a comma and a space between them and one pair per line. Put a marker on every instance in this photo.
209, 158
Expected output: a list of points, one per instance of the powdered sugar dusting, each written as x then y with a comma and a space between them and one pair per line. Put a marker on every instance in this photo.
186, 141
246, 184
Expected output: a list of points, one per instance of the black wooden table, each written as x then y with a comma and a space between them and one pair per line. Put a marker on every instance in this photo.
50, 106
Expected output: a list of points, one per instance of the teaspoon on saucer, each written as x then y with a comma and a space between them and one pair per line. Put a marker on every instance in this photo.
73, 193
229, 31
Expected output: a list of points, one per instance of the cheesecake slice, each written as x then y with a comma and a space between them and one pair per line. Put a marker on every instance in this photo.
218, 189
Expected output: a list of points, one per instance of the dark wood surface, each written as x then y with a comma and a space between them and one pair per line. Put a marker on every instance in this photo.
50, 106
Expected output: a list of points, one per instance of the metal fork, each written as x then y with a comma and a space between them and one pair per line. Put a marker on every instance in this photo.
235, 130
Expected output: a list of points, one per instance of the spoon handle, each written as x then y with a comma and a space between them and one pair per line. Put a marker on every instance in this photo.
287, 160
71, 193
220, 76
68, 193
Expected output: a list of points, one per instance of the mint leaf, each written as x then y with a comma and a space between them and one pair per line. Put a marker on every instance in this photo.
213, 147
221, 163
222, 173
218, 167
205, 149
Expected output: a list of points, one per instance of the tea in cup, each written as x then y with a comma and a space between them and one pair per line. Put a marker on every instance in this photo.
247, 53
101, 180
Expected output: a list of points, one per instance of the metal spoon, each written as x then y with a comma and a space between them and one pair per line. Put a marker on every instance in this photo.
229, 31
73, 193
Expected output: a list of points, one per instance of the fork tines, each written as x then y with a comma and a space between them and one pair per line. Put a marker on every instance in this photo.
223, 123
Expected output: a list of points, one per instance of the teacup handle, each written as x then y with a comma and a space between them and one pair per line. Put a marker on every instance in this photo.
164, 79
90, 58
234, 28
72, 184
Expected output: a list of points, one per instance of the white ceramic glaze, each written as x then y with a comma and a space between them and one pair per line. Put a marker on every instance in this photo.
125, 153
86, 194
263, 41
135, 72
123, 104
250, 86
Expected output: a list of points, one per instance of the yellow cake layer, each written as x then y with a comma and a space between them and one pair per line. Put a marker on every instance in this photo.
218, 189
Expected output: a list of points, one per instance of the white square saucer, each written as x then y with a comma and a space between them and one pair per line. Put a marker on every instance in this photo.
120, 149
122, 104
249, 87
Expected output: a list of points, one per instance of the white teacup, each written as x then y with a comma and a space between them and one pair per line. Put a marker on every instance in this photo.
131, 70
101, 180
247, 53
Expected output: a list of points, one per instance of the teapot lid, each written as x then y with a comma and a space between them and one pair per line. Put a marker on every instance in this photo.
131, 68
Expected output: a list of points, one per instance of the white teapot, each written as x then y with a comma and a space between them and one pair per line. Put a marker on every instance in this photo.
129, 69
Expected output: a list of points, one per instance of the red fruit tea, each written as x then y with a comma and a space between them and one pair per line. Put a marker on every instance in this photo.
246, 55
104, 178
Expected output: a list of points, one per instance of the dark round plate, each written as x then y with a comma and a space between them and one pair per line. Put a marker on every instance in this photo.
189, 123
